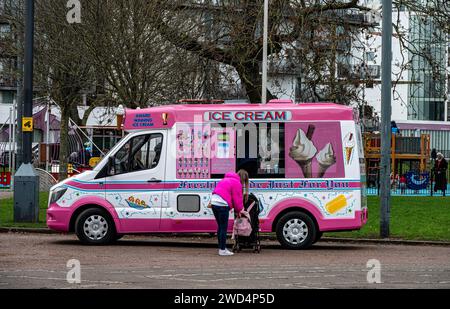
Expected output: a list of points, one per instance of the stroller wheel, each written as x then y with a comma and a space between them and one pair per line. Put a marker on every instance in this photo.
257, 248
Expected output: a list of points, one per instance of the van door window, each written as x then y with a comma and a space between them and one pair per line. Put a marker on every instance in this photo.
142, 152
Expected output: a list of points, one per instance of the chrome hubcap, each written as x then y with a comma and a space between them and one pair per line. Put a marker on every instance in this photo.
295, 231
95, 227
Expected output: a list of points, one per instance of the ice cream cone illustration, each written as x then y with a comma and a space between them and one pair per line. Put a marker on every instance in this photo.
326, 158
165, 118
349, 145
337, 204
348, 154
303, 151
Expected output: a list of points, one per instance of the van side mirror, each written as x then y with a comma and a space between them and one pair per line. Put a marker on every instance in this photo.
111, 165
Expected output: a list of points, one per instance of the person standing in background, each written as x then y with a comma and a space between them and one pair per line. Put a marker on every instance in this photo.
440, 171
402, 184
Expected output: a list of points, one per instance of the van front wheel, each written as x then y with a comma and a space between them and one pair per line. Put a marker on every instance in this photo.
94, 226
296, 230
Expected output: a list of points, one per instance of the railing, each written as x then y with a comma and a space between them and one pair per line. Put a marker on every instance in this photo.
400, 144
404, 145
7, 82
417, 184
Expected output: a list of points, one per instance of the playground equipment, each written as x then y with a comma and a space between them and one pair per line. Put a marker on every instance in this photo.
407, 153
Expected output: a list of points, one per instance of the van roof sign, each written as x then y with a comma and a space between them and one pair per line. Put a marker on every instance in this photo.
165, 116
247, 116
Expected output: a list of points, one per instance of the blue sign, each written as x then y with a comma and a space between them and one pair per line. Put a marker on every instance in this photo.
417, 181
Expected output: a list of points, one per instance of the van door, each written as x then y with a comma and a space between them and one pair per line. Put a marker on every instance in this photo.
135, 183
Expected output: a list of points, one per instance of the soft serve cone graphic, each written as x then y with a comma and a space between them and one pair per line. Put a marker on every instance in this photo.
349, 146
303, 151
326, 158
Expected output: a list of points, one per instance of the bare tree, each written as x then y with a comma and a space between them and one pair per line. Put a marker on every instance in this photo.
113, 55
326, 37
230, 32
145, 52
63, 68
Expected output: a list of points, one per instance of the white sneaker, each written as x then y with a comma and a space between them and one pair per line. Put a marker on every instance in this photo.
225, 252
230, 252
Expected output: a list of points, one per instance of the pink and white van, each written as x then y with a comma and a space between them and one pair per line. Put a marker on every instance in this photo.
305, 163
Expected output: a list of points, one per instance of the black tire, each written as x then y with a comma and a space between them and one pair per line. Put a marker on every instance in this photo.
298, 221
318, 237
94, 226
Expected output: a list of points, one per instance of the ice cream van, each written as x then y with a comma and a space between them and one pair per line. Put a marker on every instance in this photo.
305, 163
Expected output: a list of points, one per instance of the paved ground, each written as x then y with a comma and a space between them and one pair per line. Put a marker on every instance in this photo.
39, 261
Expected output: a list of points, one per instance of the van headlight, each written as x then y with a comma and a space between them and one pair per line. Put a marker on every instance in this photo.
57, 194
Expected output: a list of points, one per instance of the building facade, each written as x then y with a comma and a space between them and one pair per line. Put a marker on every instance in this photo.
420, 68
8, 61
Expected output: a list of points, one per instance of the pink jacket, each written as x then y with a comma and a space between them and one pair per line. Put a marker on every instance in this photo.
230, 189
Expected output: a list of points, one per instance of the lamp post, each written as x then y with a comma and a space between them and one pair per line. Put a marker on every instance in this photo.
386, 88
264, 62
26, 180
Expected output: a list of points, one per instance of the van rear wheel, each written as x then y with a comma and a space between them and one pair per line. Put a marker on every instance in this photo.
94, 226
296, 230
118, 237
318, 237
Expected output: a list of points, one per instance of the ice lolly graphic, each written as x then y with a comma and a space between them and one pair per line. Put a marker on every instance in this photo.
337, 204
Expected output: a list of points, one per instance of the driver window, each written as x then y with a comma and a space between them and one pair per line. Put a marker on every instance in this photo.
142, 152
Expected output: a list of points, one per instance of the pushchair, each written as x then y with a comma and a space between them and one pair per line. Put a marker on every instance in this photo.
252, 241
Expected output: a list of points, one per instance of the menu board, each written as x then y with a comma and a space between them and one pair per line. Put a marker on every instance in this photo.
223, 150
193, 151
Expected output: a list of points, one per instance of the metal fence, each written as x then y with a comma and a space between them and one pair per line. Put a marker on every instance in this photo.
416, 184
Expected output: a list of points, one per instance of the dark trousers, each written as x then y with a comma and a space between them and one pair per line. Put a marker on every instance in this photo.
221, 213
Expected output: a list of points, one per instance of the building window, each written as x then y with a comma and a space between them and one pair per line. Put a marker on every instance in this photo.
428, 74
7, 97
105, 139
5, 30
370, 56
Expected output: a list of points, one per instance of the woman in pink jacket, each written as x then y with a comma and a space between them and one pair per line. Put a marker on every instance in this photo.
229, 194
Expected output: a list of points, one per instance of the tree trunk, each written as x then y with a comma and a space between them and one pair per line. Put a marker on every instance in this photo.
252, 81
64, 142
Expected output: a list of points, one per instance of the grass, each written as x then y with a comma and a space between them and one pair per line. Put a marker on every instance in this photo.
7, 213
418, 218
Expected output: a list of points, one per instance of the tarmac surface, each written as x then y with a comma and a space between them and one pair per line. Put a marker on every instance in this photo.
40, 261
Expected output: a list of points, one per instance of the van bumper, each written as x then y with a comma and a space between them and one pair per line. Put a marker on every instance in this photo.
58, 218
337, 225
